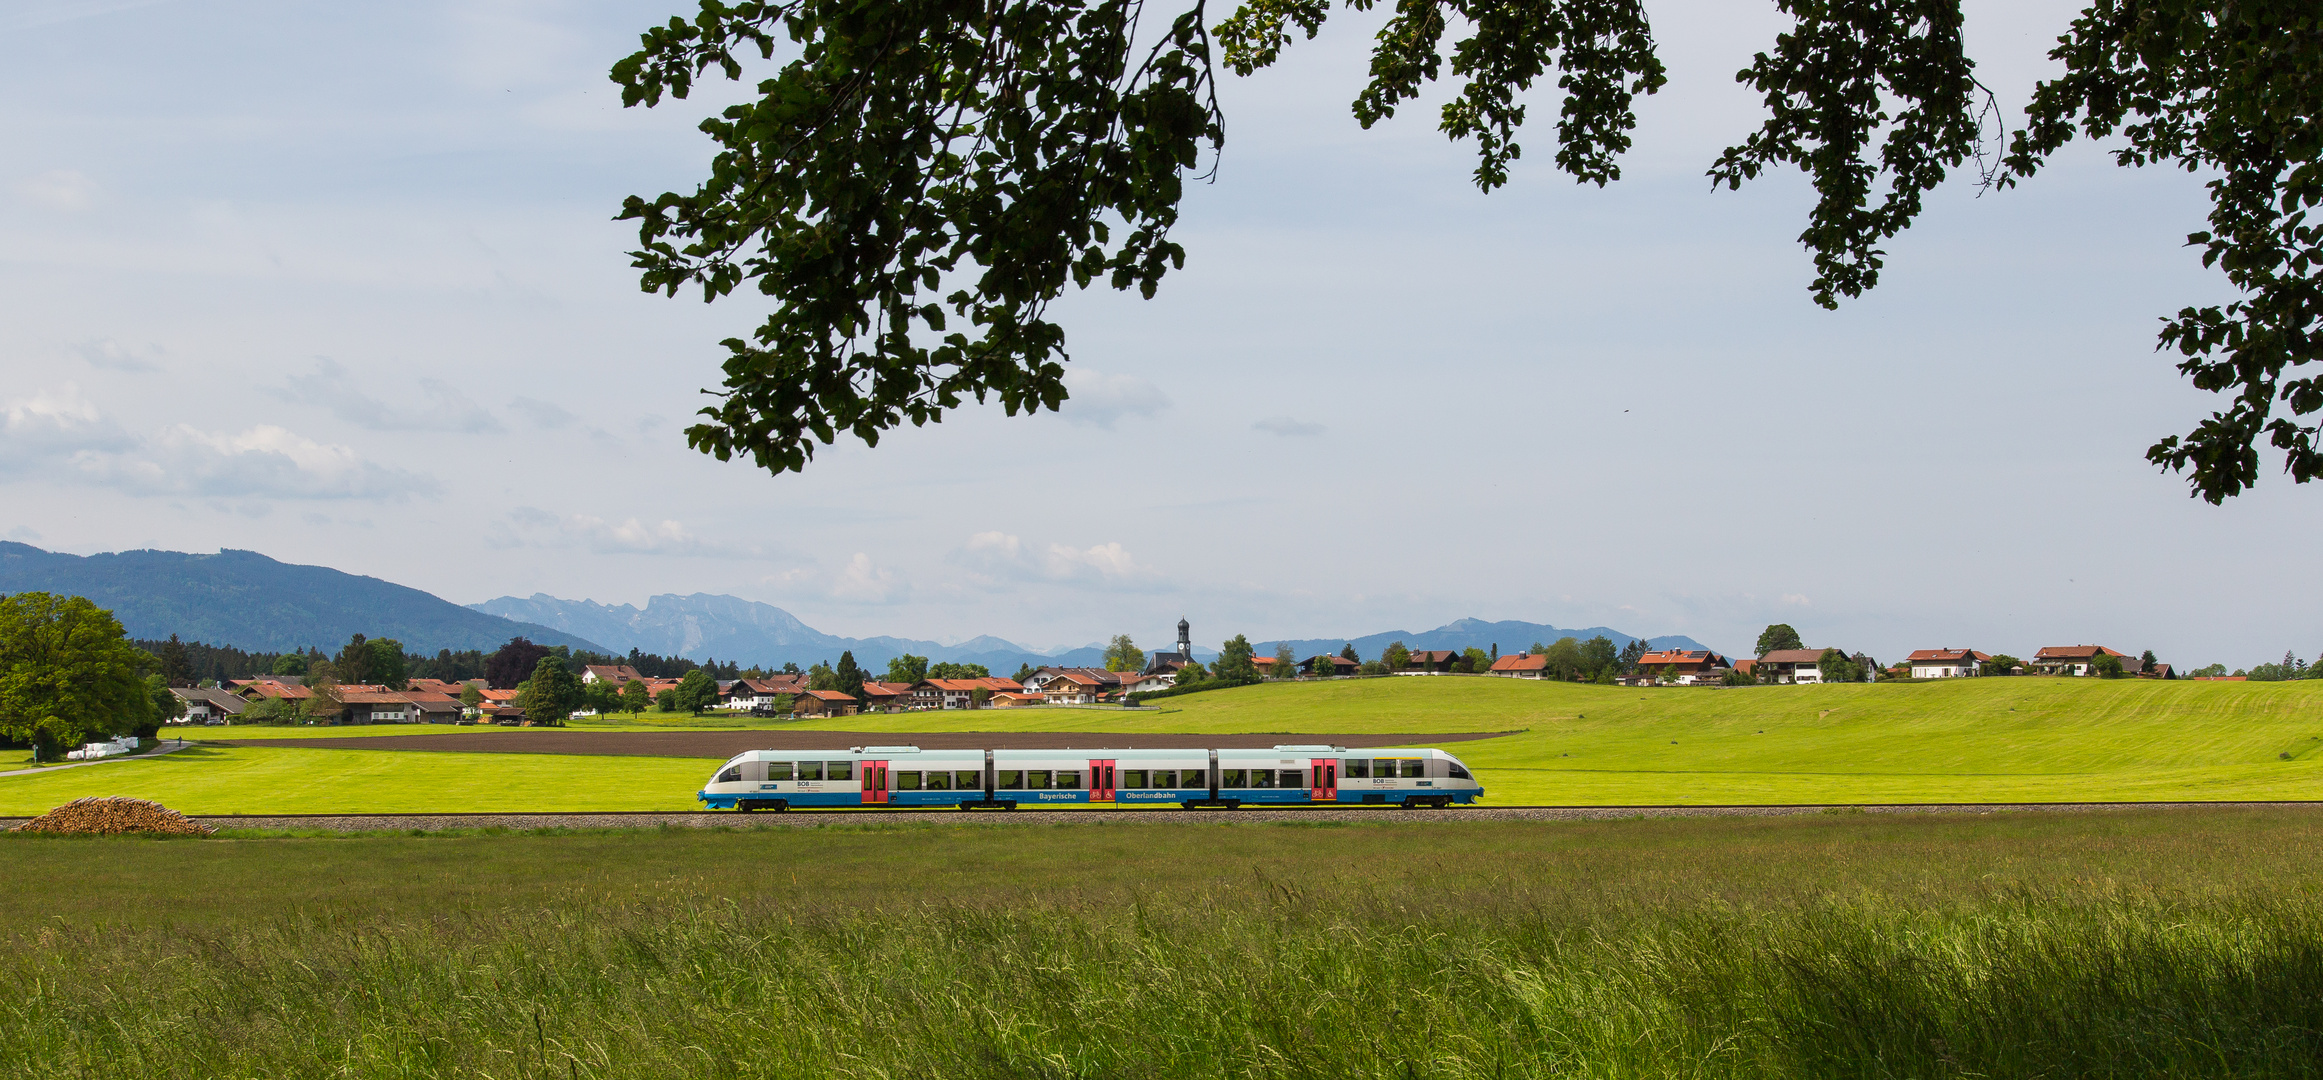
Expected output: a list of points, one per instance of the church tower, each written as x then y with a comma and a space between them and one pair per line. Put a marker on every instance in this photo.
1185, 640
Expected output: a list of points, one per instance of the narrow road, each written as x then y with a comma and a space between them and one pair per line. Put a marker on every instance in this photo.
167, 746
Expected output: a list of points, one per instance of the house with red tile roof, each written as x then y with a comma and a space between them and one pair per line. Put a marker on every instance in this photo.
823, 703
1520, 666
1073, 688
616, 674
1946, 663
1686, 667
1801, 666
2076, 659
886, 696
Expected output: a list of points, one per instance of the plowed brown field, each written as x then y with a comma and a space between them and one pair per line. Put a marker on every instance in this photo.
725, 744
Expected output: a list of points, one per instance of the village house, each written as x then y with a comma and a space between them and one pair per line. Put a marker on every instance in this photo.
617, 674
1038, 682
1801, 666
2076, 659
1328, 665
1431, 661
1265, 666
823, 703
1148, 682
1015, 699
1946, 663
886, 696
1072, 688
1520, 666
1686, 667
203, 706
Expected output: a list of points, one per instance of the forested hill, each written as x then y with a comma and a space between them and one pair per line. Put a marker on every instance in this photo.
245, 599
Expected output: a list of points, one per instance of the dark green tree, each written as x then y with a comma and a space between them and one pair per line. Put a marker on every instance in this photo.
1778, 636
1286, 662
67, 673
1008, 151
513, 663
353, 664
821, 677
290, 664
1025, 671
1563, 658
667, 700
959, 671
1600, 659
634, 696
1349, 653
907, 669
551, 694
697, 692
387, 665
1474, 660
2145, 663
2106, 666
847, 678
1837, 668
1631, 652
176, 670
1397, 657
166, 707
1234, 662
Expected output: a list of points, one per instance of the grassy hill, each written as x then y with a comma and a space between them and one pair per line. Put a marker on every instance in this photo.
1969, 740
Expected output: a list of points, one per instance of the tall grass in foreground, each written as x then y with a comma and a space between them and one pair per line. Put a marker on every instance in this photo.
1318, 955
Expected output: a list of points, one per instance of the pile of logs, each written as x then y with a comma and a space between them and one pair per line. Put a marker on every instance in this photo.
114, 815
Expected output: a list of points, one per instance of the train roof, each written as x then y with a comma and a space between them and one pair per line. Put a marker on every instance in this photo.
901, 754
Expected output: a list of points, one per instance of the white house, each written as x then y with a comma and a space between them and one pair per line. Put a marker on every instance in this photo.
1946, 663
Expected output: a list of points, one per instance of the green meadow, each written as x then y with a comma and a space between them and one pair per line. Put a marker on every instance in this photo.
1969, 740
2123, 944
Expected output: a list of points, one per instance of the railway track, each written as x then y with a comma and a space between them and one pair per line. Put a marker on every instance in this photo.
617, 819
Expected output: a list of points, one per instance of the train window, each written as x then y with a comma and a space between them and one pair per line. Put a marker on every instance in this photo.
1133, 778
1165, 778
810, 770
1195, 778
1457, 772
1233, 778
1384, 768
968, 781
1069, 780
838, 770
939, 781
1037, 779
1356, 769
732, 774
1294, 778
1262, 778
1414, 768
907, 781
1009, 780
778, 770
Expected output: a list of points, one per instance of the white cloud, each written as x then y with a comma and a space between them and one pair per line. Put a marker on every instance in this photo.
58, 189
544, 414
438, 406
998, 556
1098, 399
863, 582
53, 425
631, 535
1287, 427
262, 461
113, 356
1794, 599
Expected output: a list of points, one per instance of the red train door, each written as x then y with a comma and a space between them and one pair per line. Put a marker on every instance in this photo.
874, 783
1101, 781
1324, 773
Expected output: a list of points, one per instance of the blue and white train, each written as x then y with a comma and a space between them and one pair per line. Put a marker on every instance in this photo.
901, 776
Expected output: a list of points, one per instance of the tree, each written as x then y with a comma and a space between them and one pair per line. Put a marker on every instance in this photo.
821, 677
1600, 660
1123, 655
1397, 657
1189, 676
2106, 666
667, 700
1836, 667
1234, 665
909, 169
1778, 636
1025, 671
1631, 652
67, 673
166, 707
2000, 664
634, 696
387, 663
290, 664
353, 664
1561, 658
323, 705
959, 671
1286, 662
1474, 659
549, 696
1737, 677
1348, 653
176, 670
2211, 672
513, 663
697, 692
2145, 663
471, 698
848, 678
907, 669
979, 697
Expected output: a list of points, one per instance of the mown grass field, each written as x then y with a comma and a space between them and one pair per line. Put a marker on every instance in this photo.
2184, 943
1970, 740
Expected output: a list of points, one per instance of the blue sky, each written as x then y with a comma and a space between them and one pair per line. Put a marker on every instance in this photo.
339, 283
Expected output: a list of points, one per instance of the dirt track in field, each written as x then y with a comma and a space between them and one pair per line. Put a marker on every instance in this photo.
725, 744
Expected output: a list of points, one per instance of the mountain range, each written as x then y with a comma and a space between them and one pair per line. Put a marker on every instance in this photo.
244, 599
702, 626
247, 600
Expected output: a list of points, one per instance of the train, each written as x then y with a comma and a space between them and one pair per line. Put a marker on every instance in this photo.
1225, 778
